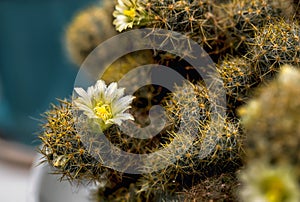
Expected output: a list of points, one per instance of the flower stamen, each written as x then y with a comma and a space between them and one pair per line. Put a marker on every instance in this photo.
103, 111
130, 13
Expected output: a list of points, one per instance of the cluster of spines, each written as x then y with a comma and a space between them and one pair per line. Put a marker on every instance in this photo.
239, 79
182, 101
218, 26
190, 168
215, 148
276, 44
243, 18
195, 19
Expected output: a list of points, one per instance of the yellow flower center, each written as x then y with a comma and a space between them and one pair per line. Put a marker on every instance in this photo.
103, 111
130, 13
275, 190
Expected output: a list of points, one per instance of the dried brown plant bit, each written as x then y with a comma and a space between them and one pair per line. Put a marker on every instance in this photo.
216, 188
296, 4
120, 194
286, 7
130, 193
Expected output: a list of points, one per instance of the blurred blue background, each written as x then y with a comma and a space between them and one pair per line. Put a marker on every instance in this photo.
34, 67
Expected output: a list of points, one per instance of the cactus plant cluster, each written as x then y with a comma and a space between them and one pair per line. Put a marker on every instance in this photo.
220, 26
212, 156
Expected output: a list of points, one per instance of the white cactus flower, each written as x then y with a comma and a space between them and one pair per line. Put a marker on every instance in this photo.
104, 104
128, 13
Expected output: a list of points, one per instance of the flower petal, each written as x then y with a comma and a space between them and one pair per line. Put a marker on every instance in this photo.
118, 94
84, 108
120, 118
100, 88
84, 96
111, 91
122, 104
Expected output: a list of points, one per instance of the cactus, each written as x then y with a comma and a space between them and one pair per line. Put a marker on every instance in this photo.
264, 182
276, 44
246, 18
239, 79
69, 157
219, 26
63, 149
191, 167
272, 119
209, 150
87, 30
